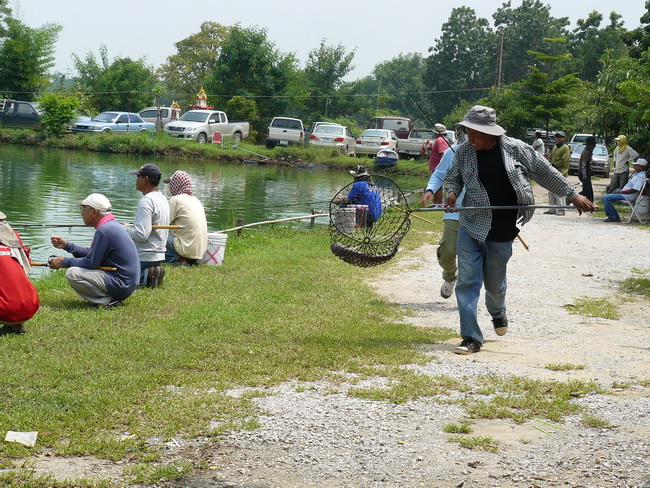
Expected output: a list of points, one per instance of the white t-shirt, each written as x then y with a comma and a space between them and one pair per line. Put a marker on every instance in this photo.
538, 146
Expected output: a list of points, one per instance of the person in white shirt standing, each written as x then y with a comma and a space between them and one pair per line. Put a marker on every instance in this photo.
538, 143
153, 209
187, 245
622, 156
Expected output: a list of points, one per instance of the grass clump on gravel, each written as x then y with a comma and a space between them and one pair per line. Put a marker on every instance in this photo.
594, 307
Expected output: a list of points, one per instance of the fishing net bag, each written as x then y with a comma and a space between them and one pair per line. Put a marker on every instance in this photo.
356, 237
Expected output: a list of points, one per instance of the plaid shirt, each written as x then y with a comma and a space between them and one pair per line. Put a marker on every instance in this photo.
522, 164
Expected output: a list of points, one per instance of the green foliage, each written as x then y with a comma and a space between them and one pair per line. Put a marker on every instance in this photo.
59, 112
240, 108
25, 56
595, 422
457, 429
186, 71
526, 28
249, 65
564, 366
463, 62
324, 72
124, 84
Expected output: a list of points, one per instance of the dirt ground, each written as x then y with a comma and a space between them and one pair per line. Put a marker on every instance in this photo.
314, 437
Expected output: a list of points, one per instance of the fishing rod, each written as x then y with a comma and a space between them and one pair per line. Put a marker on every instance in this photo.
70, 226
443, 208
101, 268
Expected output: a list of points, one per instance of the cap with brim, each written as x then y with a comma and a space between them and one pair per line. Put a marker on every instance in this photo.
96, 200
150, 170
641, 162
2, 216
560, 134
440, 129
482, 119
621, 137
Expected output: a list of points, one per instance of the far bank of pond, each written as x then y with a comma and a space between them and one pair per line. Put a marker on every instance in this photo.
40, 186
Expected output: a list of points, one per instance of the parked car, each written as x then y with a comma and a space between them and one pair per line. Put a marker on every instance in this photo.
599, 161
402, 126
371, 141
201, 125
316, 125
16, 113
167, 115
117, 122
284, 131
578, 139
334, 136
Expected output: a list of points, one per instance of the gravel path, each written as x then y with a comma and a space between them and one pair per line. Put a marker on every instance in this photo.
314, 435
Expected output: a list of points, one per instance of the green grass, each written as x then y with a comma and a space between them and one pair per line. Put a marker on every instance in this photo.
483, 443
638, 284
595, 307
564, 366
105, 382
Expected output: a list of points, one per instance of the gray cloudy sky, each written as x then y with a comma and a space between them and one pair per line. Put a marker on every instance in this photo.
378, 29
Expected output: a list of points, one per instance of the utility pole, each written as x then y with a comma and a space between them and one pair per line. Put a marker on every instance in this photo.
500, 60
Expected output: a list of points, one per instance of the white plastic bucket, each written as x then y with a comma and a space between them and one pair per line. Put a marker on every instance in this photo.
214, 254
345, 219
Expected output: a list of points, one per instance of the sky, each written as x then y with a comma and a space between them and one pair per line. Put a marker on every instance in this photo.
378, 30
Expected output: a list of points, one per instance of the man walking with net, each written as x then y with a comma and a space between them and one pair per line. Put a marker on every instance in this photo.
495, 170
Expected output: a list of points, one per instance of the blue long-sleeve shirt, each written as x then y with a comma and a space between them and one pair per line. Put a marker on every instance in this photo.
438, 178
112, 247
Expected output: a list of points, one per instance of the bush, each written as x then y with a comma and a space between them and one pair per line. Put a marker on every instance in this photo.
59, 112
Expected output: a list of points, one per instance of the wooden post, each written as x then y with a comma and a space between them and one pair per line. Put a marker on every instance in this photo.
240, 222
312, 221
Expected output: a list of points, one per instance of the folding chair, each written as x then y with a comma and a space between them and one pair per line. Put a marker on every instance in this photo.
640, 205
217, 138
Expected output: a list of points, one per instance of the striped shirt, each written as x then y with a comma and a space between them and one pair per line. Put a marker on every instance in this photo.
522, 163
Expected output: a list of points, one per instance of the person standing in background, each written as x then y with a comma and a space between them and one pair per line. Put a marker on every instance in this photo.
623, 154
559, 159
584, 168
538, 143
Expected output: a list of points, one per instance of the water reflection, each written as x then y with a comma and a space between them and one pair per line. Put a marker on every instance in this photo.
40, 186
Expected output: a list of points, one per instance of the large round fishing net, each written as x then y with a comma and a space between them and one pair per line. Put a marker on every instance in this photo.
369, 235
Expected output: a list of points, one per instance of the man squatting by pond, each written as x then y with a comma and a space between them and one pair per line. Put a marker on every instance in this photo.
494, 170
111, 247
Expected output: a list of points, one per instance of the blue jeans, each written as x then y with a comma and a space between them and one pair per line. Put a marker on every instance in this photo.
480, 263
609, 200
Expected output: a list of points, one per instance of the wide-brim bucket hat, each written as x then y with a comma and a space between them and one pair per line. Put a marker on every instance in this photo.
482, 119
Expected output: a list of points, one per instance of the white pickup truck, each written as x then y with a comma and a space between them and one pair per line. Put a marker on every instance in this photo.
200, 126
417, 139
284, 131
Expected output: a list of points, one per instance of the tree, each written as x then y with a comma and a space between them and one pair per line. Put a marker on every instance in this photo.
622, 99
26, 54
124, 84
589, 42
324, 72
59, 111
5, 12
186, 72
395, 87
525, 29
463, 61
638, 40
250, 66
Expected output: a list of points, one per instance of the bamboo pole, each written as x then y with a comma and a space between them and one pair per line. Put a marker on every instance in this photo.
310, 216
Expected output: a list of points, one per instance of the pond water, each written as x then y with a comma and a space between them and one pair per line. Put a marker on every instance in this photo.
40, 186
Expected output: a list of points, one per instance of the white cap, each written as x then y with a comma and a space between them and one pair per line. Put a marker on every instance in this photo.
641, 162
96, 200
